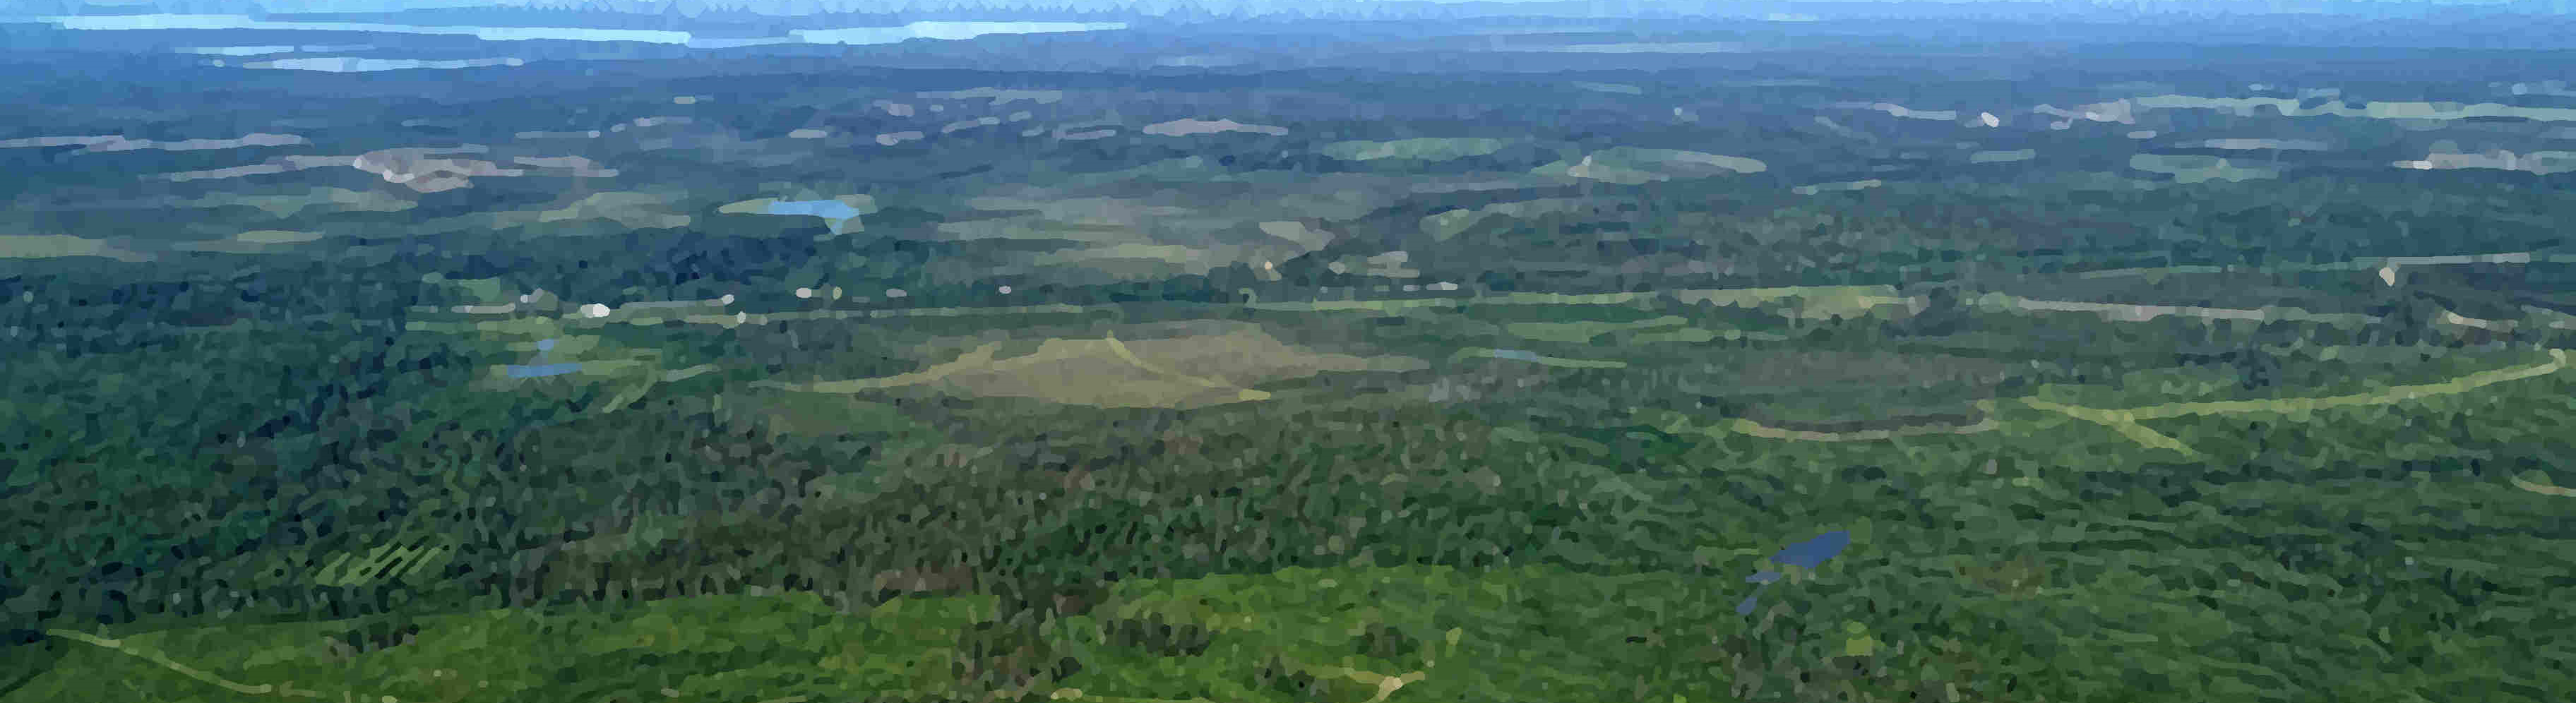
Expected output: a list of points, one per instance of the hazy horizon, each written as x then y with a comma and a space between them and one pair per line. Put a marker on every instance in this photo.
1588, 8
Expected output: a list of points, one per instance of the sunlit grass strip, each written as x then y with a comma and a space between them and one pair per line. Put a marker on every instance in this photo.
1386, 686
1695, 335
687, 373
1392, 304
1076, 694
651, 378
1680, 424
2360, 264
2393, 394
2122, 421
386, 562
202, 675
1861, 295
1120, 349
2126, 420
2544, 489
1556, 361
977, 358
1743, 426
2123, 312
1585, 331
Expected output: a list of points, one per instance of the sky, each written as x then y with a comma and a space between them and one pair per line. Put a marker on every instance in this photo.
1584, 7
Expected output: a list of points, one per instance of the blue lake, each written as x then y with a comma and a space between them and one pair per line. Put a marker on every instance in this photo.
826, 209
1808, 554
543, 370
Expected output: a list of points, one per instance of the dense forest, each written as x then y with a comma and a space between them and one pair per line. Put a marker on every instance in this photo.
1322, 366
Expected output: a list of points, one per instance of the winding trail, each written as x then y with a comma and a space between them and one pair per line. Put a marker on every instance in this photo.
201, 675
2126, 420
164, 661
2123, 421
2390, 395
2545, 489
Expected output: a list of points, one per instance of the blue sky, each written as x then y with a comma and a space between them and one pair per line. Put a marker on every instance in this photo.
1721, 6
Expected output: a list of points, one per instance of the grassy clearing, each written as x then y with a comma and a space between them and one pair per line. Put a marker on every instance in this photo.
1180, 372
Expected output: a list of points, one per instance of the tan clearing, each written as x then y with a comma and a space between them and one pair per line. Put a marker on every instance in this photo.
1181, 372
2545, 489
